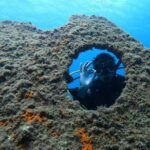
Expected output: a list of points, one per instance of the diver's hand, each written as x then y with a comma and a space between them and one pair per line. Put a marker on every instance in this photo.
85, 78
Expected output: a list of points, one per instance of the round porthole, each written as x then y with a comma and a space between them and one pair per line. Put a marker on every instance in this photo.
96, 77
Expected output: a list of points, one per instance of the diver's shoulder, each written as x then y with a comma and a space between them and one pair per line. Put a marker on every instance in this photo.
120, 77
119, 80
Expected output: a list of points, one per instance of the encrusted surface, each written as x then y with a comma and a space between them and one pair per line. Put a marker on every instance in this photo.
35, 112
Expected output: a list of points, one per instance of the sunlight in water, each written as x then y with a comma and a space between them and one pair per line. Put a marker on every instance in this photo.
130, 15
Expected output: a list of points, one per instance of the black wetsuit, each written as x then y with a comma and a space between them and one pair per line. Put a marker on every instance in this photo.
99, 92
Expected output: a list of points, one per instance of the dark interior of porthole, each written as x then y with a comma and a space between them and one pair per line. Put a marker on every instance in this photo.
98, 83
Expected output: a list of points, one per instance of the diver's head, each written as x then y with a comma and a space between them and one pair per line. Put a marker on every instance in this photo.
104, 64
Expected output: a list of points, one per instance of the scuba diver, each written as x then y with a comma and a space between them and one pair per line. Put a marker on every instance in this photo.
99, 85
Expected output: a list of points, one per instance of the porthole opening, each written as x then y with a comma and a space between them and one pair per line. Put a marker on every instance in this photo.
96, 78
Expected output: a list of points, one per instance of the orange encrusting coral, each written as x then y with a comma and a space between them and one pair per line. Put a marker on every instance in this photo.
3, 123
86, 144
27, 116
28, 94
30, 116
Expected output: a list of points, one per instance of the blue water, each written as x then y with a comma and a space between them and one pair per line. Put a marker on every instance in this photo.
133, 16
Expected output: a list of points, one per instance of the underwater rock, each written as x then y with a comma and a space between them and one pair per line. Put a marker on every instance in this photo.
34, 66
